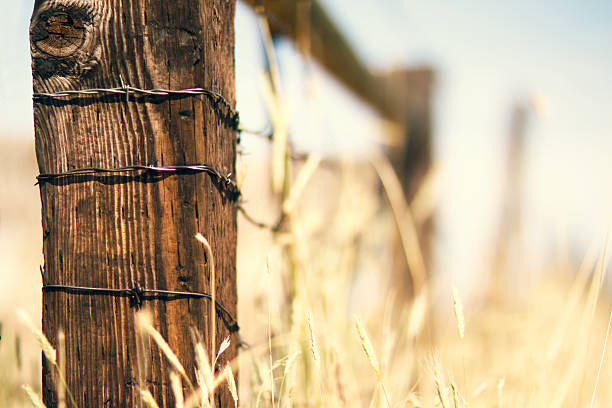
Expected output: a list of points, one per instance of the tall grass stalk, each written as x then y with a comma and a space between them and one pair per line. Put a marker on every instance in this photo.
231, 384
204, 372
50, 353
584, 333
277, 107
34, 398
458, 309
177, 389
47, 349
147, 399
144, 323
61, 389
404, 221
213, 295
603, 355
270, 334
368, 349
289, 364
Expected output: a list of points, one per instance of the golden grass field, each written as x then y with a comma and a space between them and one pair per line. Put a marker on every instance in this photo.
326, 325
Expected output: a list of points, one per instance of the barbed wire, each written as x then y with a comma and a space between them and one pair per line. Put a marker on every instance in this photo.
225, 180
276, 227
265, 134
127, 89
138, 295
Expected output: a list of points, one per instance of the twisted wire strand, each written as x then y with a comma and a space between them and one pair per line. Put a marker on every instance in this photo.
127, 89
225, 180
138, 294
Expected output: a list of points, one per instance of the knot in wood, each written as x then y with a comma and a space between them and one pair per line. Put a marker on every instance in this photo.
63, 39
60, 33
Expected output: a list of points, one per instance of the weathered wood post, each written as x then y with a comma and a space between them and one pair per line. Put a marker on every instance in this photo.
412, 156
133, 229
510, 222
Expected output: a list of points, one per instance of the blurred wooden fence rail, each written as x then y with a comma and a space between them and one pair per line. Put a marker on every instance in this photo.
403, 96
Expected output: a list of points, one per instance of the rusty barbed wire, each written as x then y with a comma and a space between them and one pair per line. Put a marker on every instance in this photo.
127, 89
265, 134
225, 180
276, 227
268, 136
137, 295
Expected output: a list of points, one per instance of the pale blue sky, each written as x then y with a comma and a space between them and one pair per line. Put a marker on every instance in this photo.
488, 55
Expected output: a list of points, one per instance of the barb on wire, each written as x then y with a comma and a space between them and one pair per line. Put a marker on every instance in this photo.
127, 89
225, 180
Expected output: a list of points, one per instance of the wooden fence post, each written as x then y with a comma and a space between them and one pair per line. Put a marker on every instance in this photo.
413, 155
510, 222
133, 229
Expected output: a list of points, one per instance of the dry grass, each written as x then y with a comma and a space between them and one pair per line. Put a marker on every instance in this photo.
546, 348
539, 349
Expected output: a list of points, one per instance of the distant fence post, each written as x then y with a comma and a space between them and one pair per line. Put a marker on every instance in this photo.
510, 222
133, 228
412, 156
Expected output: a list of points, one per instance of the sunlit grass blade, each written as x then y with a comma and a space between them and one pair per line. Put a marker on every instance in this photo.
33, 397
231, 384
458, 309
177, 389
47, 349
213, 295
144, 323
404, 221
601, 361
147, 399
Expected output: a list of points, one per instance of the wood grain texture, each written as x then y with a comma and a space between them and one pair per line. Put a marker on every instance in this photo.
116, 232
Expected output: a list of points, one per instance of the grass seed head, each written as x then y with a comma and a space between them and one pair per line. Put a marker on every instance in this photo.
458, 308
231, 384
224, 346
314, 346
455, 394
290, 362
500, 390
204, 371
367, 347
